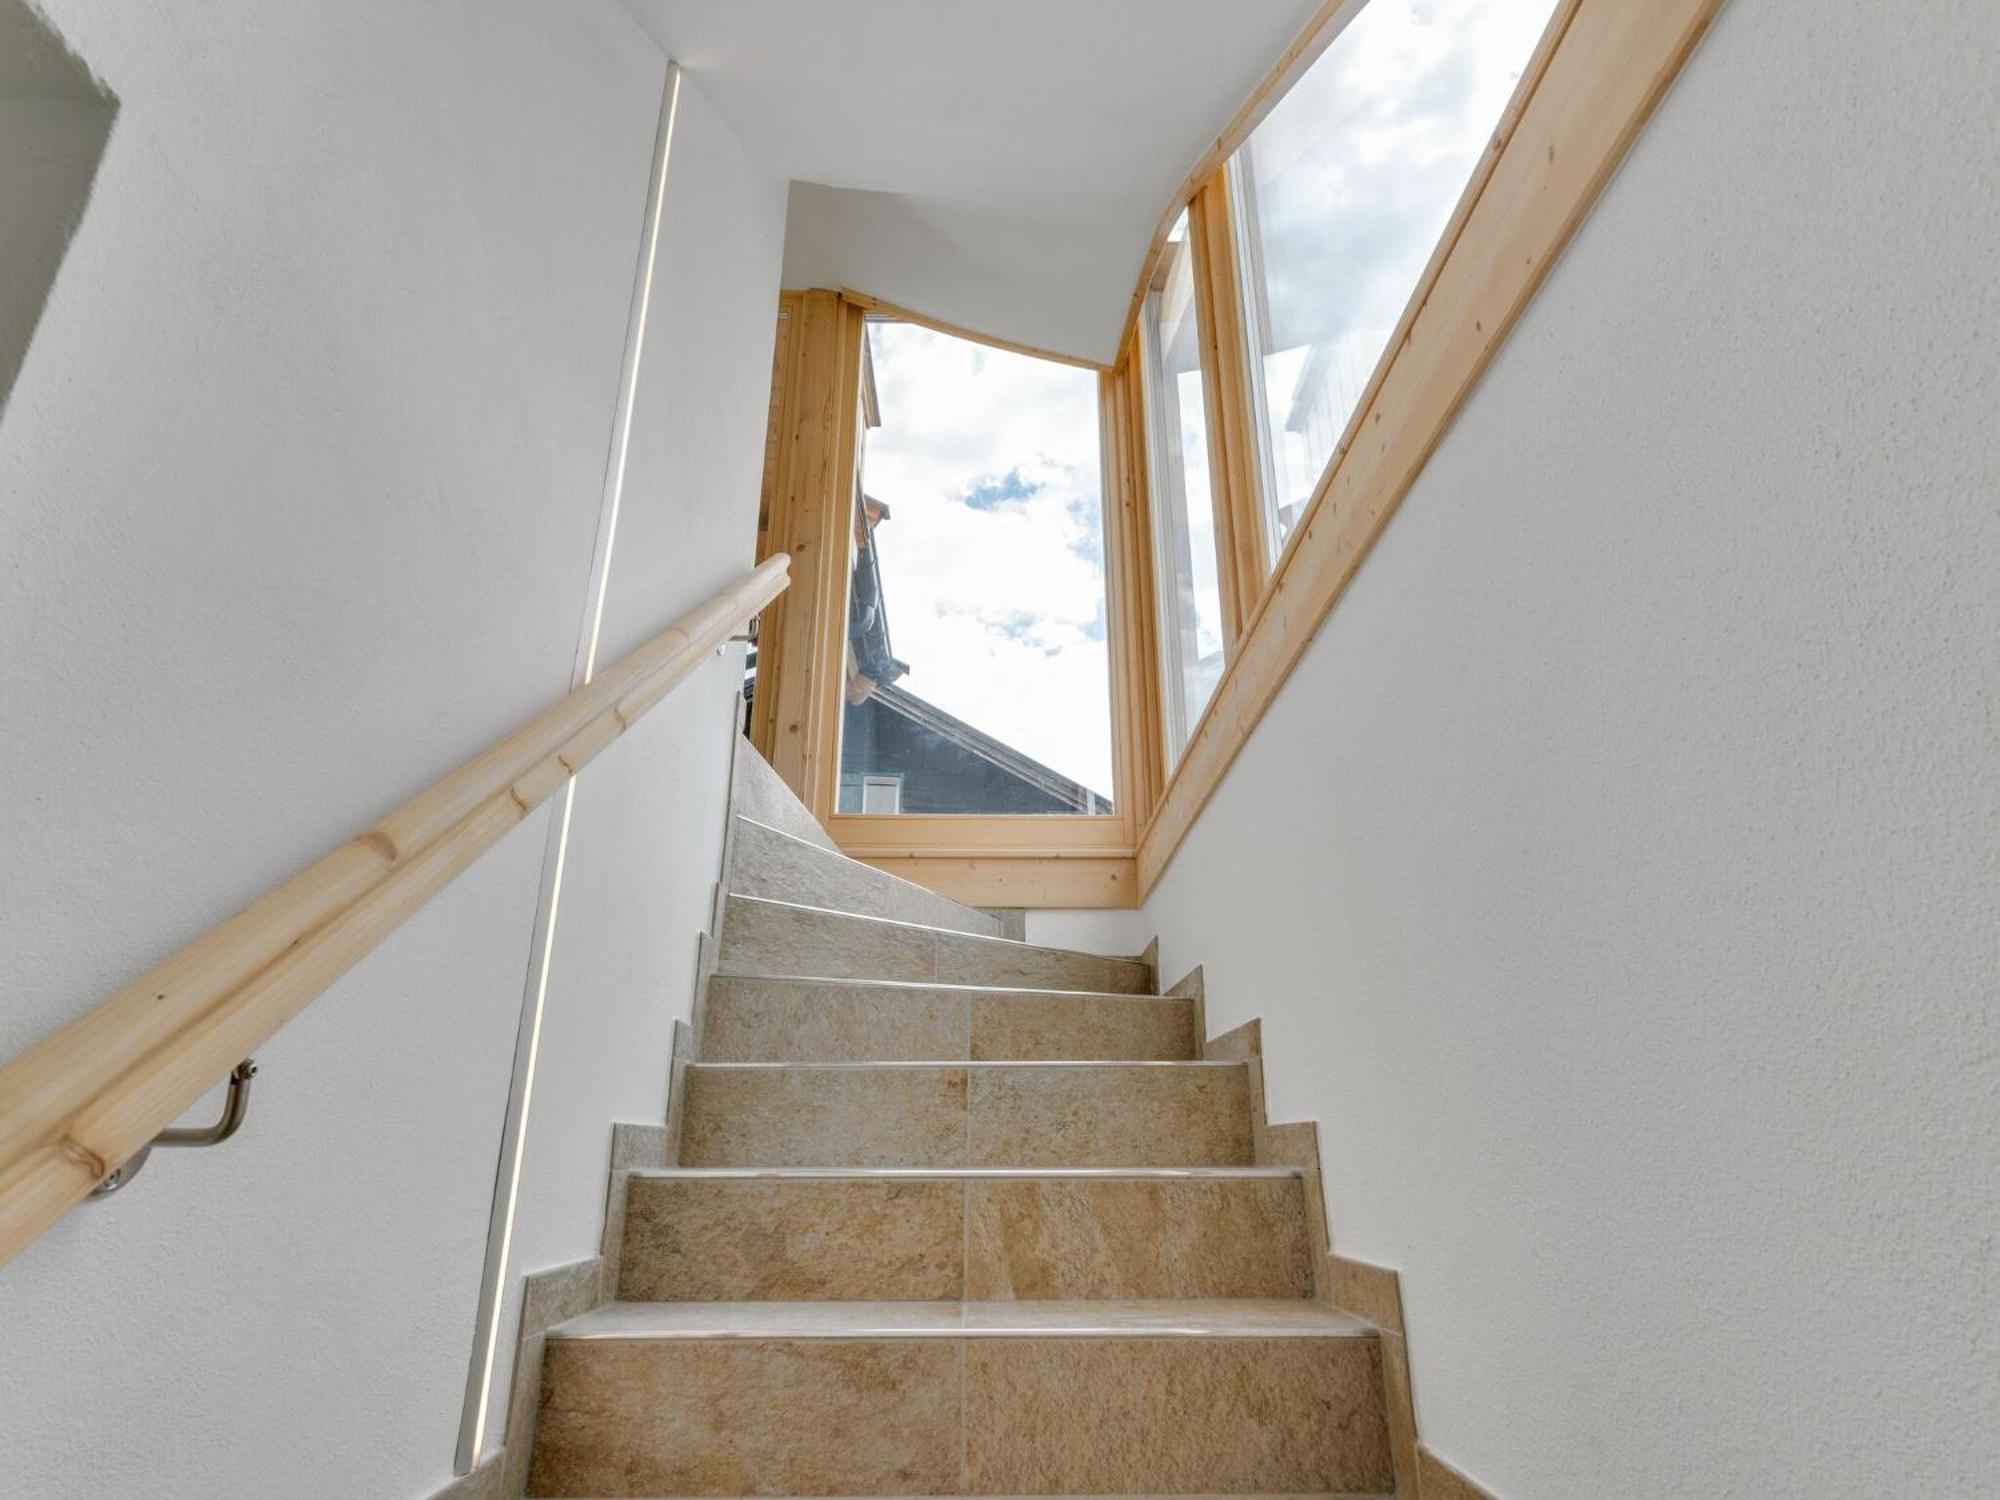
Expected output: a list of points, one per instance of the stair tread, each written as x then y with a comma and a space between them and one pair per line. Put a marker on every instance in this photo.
812, 853
982, 1064
1175, 1318
942, 986
966, 1174
953, 932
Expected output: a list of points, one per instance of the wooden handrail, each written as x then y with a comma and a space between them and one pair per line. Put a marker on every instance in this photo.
78, 1104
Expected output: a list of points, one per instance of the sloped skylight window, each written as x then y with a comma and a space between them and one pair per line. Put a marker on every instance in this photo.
1340, 196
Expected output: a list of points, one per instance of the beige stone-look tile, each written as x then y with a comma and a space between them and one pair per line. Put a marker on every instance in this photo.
1171, 1318
1137, 1238
1081, 1027
759, 793
632, 1147
1132, 1416
1240, 1043
749, 1418
670, 1322
806, 1116
1193, 987
793, 1240
1372, 1292
1438, 1480
1316, 1226
778, 866
1163, 1318
762, 937
1146, 1115
1294, 1144
638, 1146
1402, 1414
1012, 921
684, 1047
547, 1298
768, 1020
984, 961
1253, 1080
558, 1294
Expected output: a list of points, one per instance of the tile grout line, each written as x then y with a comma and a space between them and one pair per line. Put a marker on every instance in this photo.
964, 1426
965, 1222
964, 1247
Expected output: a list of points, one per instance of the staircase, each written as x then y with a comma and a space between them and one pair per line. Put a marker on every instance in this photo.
951, 1214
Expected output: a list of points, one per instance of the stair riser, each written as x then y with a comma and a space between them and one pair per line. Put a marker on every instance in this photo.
779, 867
760, 938
753, 1020
1000, 1239
945, 1116
943, 1416
759, 793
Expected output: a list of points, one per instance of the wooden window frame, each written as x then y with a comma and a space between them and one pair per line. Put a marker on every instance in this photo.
1594, 79
1033, 859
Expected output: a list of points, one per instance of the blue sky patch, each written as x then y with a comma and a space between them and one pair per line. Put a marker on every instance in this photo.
986, 494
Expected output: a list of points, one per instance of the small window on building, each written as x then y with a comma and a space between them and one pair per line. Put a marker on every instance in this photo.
1190, 592
870, 794
1340, 196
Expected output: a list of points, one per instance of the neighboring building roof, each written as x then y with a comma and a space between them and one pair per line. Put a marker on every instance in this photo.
977, 742
873, 663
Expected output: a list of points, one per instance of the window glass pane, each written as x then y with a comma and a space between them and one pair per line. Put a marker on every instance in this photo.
978, 530
1190, 593
1341, 195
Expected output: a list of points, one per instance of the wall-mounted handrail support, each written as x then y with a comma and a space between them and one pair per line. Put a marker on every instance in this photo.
235, 1105
103, 1087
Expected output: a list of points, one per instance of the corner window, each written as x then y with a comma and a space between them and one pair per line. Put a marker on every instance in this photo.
1190, 593
978, 533
1339, 198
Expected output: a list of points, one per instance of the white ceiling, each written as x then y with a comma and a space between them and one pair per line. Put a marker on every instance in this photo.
995, 163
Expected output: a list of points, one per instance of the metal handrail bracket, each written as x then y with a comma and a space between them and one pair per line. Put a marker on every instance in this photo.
235, 1105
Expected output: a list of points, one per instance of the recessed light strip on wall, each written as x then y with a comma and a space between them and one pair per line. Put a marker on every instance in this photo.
475, 1425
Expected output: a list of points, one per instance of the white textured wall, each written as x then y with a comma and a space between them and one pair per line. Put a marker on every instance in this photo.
53, 123
646, 841
1617, 874
298, 486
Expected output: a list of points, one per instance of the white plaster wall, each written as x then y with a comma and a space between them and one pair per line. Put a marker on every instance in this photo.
1616, 875
298, 487
646, 841
53, 123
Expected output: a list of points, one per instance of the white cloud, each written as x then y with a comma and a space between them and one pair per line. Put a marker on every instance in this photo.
997, 607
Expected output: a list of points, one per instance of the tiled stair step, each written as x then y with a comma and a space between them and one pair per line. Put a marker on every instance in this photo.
813, 1234
968, 1114
759, 793
779, 866
997, 1398
832, 1020
782, 937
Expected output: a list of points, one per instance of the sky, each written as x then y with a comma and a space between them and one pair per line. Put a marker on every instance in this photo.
993, 556
992, 563
1357, 170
